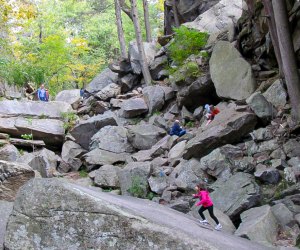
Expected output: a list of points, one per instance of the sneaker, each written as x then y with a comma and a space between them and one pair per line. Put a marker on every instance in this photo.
218, 227
204, 222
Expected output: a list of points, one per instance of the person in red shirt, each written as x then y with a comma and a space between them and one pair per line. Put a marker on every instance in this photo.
205, 203
212, 111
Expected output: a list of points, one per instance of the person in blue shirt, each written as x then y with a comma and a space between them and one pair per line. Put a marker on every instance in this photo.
177, 129
42, 95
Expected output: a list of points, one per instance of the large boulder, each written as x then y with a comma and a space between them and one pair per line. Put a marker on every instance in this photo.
134, 56
81, 218
144, 136
261, 107
218, 17
6, 209
107, 176
13, 176
113, 139
259, 225
266, 174
105, 78
129, 81
43, 161
227, 127
71, 153
99, 157
134, 179
9, 153
177, 151
154, 97
108, 92
51, 131
239, 193
84, 131
35, 109
71, 96
133, 107
276, 94
230, 72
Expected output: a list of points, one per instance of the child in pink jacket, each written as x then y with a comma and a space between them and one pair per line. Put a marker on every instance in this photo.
205, 203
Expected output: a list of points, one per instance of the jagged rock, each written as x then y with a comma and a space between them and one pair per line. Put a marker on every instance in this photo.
154, 97
107, 176
180, 205
261, 107
6, 209
282, 214
27, 143
134, 57
99, 107
82, 218
218, 17
144, 136
158, 121
135, 174
113, 139
227, 224
105, 78
220, 162
71, 153
169, 93
198, 113
230, 73
134, 107
245, 164
51, 131
12, 177
186, 115
36, 109
116, 103
158, 64
9, 153
262, 147
227, 127
43, 161
129, 81
292, 148
289, 175
268, 175
84, 131
174, 109
108, 92
177, 151
276, 94
158, 183
262, 134
122, 67
239, 193
187, 174
199, 92
259, 225
99, 157
71, 96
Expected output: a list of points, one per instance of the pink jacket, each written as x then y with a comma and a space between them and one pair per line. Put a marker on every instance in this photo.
205, 200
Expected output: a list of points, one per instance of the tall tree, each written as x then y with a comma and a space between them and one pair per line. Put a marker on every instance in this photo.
147, 22
126, 9
288, 55
175, 13
139, 41
120, 29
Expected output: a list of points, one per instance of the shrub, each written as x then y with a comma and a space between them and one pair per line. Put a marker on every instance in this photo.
69, 120
186, 42
138, 187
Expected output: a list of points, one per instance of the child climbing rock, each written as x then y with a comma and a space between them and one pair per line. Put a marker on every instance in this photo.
205, 203
211, 112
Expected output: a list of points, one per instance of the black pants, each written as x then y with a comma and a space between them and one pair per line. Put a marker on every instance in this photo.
211, 213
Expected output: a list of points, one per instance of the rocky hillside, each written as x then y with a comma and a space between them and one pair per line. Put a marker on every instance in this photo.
116, 139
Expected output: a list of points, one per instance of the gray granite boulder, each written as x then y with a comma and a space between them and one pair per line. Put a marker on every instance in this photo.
6, 209
239, 193
267, 174
105, 78
107, 176
13, 176
71, 96
133, 107
154, 97
71, 153
108, 92
84, 131
231, 73
9, 153
276, 94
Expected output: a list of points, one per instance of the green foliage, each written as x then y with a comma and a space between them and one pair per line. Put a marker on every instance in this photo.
138, 187
83, 173
186, 42
150, 195
189, 69
27, 136
21, 151
190, 124
283, 185
70, 119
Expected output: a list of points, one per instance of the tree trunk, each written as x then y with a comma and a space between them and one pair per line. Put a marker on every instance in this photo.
147, 22
139, 41
273, 33
175, 12
120, 29
288, 56
126, 9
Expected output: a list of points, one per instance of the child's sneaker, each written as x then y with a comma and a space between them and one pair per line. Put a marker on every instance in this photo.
218, 227
204, 222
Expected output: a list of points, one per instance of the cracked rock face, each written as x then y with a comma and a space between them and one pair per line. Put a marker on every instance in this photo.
52, 214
